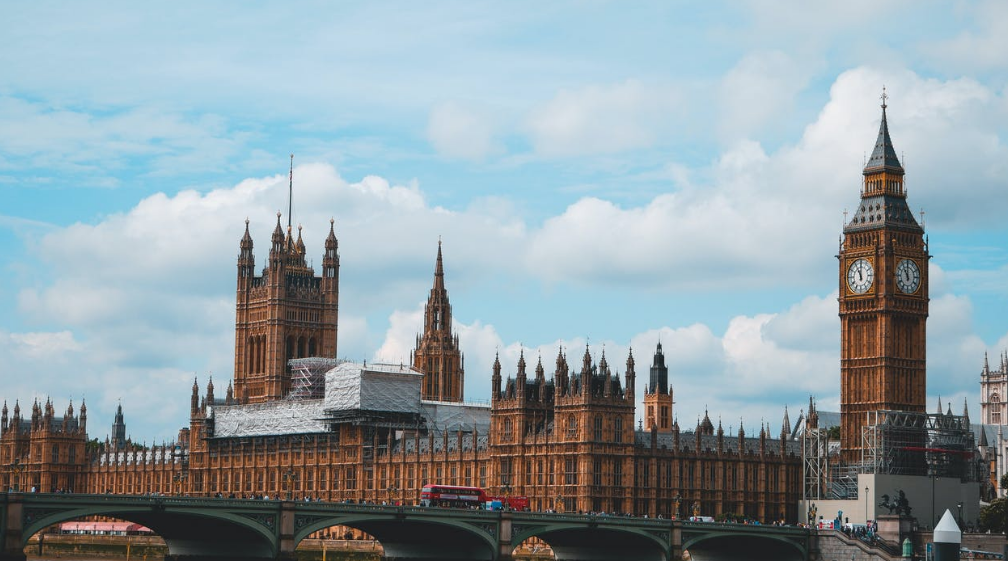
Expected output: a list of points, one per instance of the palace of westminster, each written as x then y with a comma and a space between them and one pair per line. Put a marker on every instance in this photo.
295, 422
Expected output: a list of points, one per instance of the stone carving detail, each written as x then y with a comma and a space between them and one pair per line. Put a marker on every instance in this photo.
490, 529
264, 519
32, 514
304, 520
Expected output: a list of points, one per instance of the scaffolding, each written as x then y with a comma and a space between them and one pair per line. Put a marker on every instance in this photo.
814, 457
308, 377
893, 443
931, 444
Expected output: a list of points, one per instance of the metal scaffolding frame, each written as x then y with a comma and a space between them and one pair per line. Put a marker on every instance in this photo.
308, 377
814, 460
893, 443
907, 443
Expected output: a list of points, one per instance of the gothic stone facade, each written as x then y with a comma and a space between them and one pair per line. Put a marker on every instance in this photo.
567, 442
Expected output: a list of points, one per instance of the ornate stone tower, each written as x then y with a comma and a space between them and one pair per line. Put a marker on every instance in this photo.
658, 396
437, 352
883, 280
993, 389
286, 313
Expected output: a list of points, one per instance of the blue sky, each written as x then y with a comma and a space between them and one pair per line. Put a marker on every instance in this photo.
599, 172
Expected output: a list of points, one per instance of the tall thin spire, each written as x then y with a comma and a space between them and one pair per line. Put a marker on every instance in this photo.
439, 269
290, 193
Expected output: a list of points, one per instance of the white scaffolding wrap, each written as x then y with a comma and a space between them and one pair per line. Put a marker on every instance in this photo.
442, 416
379, 387
264, 419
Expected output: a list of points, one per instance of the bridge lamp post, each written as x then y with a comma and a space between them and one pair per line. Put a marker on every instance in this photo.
178, 478
15, 469
959, 506
390, 492
288, 480
866, 505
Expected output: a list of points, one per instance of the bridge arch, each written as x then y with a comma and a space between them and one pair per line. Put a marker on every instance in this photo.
718, 542
600, 538
412, 532
186, 529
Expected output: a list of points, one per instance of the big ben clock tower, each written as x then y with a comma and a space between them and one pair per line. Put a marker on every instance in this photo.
883, 301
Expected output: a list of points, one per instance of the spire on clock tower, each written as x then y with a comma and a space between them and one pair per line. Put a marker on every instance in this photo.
883, 157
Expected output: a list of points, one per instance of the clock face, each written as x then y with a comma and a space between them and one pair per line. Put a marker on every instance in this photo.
908, 276
860, 275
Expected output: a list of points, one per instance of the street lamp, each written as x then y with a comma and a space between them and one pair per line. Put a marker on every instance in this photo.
178, 478
16, 468
866, 505
288, 479
959, 505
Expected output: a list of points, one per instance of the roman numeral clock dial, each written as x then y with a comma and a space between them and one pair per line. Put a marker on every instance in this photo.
908, 276
860, 276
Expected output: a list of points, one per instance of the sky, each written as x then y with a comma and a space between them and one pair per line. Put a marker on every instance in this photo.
606, 174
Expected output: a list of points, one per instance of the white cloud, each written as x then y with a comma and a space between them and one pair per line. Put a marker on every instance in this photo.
94, 144
602, 119
984, 46
762, 87
461, 132
149, 292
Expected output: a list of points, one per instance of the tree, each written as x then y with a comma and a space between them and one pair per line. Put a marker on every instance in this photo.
994, 517
1003, 482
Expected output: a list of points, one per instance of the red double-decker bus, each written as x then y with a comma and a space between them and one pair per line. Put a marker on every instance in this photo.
452, 496
468, 497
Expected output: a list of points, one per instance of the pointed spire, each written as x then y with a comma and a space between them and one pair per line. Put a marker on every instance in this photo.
939, 405
277, 240
290, 194
300, 243
883, 157
786, 424
983, 437
439, 269
986, 366
966, 419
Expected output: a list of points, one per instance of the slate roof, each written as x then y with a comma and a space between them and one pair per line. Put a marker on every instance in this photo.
883, 157
877, 211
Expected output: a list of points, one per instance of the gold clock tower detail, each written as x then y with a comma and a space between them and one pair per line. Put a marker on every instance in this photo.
883, 301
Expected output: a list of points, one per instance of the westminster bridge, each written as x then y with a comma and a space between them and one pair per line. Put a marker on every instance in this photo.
232, 529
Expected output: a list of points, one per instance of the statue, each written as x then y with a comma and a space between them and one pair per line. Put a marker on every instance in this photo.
902, 504
899, 506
